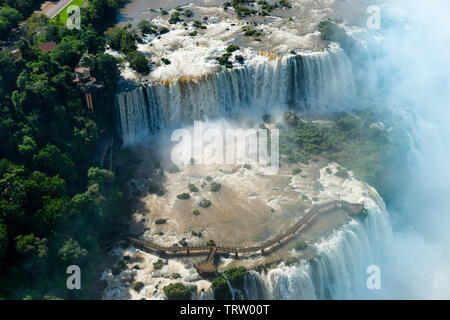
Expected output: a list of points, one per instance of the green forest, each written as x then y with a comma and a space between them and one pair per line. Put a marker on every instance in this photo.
55, 203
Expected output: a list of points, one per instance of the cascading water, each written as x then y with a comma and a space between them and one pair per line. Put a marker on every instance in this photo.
306, 80
337, 269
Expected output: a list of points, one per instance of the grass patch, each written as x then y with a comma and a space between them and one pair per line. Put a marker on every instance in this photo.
63, 15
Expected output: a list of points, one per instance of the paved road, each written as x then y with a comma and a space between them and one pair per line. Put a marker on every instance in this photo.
51, 9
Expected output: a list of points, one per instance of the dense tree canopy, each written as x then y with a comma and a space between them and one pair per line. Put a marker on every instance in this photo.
55, 204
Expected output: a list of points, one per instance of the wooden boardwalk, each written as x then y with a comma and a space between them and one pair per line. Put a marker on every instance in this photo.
277, 241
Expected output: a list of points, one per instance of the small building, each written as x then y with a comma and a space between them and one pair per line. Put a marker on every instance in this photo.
47, 46
87, 84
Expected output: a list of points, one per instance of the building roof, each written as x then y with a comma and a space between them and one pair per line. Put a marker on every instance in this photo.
47, 46
82, 69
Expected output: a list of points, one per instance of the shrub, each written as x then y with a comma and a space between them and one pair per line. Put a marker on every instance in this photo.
174, 18
177, 291
138, 61
249, 33
205, 203
174, 169
285, 4
330, 31
192, 188
239, 59
300, 245
158, 264
163, 30
166, 61
160, 233
122, 38
247, 166
183, 242
296, 171
176, 275
138, 286
304, 197
147, 27
183, 196
193, 33
208, 178
210, 243
236, 276
160, 221
196, 212
232, 48
215, 187
328, 170
342, 173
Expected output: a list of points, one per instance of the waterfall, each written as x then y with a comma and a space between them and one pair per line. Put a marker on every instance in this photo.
336, 270
309, 80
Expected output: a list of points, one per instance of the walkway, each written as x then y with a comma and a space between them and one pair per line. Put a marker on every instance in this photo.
277, 241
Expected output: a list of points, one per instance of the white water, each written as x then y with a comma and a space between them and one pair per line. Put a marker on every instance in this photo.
338, 268
308, 81
314, 81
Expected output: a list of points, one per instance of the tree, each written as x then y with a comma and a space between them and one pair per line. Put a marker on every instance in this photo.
91, 41
122, 38
46, 219
67, 52
99, 176
9, 19
3, 240
138, 61
28, 146
51, 160
221, 289
147, 27
71, 252
10, 67
31, 245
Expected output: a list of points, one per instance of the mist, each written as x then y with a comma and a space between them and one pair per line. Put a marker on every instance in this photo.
415, 69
